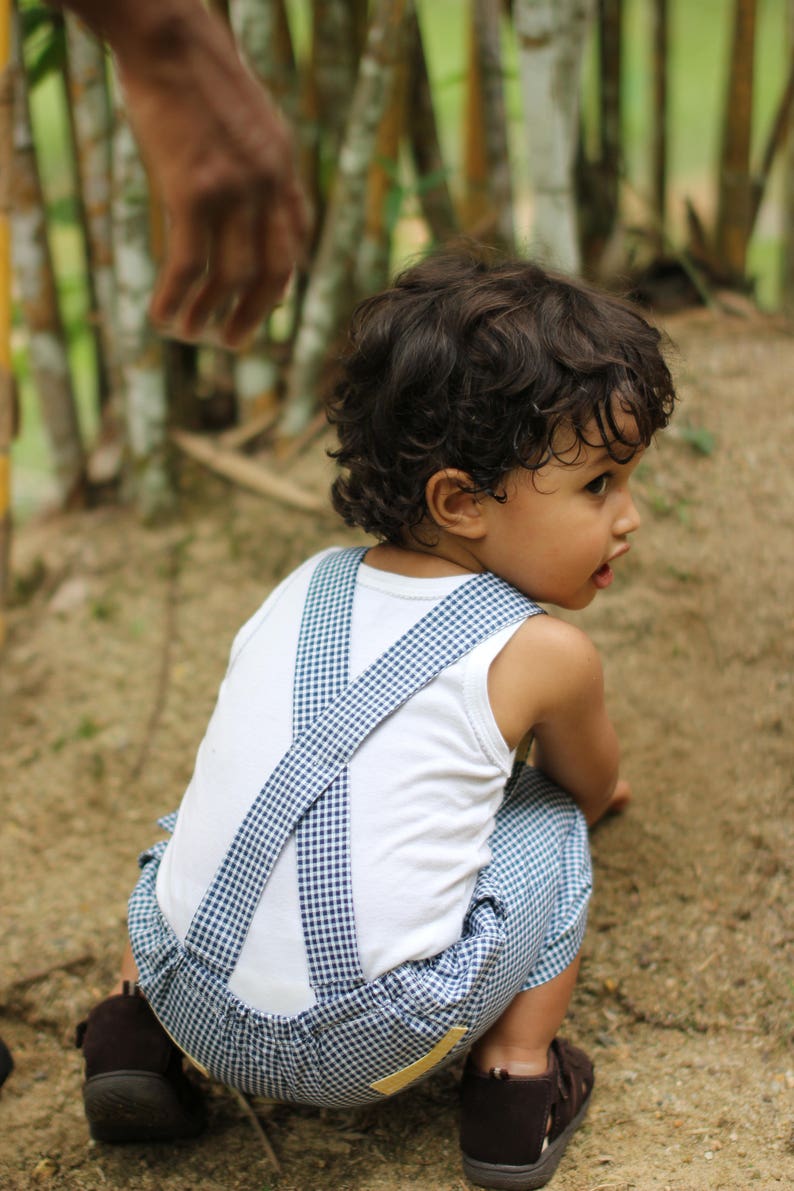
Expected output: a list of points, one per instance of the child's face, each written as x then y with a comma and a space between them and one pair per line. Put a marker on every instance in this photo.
563, 525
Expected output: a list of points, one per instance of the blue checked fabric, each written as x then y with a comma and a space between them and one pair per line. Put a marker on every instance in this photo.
524, 924
333, 717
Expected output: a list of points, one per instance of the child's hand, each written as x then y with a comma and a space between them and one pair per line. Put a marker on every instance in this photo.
620, 799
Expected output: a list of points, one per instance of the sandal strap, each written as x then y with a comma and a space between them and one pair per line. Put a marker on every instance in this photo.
573, 1080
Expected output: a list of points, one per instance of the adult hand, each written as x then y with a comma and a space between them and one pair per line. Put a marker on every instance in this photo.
221, 157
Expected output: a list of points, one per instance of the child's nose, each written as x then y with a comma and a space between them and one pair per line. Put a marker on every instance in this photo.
628, 519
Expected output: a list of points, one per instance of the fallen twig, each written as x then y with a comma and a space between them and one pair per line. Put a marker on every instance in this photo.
287, 450
240, 436
164, 675
66, 965
259, 1129
241, 470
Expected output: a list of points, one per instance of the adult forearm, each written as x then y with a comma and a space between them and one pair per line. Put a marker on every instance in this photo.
125, 24
180, 35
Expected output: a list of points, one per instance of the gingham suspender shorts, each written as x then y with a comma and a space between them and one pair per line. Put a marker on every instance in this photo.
363, 1040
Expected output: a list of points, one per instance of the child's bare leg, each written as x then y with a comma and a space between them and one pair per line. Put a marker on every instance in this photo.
522, 1099
519, 1041
128, 972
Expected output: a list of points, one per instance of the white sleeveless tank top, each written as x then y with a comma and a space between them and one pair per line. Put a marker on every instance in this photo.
424, 789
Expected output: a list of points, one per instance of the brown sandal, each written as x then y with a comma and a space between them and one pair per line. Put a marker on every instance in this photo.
135, 1087
504, 1119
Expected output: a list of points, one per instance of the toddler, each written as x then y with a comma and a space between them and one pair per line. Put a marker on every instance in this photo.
364, 881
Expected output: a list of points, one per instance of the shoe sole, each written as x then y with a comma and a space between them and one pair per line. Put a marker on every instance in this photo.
137, 1106
524, 1178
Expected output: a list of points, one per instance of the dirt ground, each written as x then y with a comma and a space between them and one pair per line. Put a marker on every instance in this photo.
118, 639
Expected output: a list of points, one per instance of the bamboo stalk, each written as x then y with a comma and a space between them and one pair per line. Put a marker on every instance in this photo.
140, 350
6, 380
598, 178
325, 100
486, 28
659, 127
777, 137
475, 208
335, 63
93, 123
787, 269
35, 276
551, 36
262, 33
432, 187
610, 54
733, 211
321, 313
374, 251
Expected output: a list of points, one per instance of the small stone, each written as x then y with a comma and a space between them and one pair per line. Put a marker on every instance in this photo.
70, 595
45, 1170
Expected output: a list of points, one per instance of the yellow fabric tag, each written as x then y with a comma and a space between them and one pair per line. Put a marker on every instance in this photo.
400, 1079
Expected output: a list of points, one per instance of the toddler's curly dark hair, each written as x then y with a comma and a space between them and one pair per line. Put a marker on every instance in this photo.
472, 363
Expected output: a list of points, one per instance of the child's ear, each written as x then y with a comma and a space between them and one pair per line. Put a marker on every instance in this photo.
452, 506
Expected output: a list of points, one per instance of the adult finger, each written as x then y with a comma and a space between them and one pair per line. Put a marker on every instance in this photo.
233, 267
185, 264
278, 251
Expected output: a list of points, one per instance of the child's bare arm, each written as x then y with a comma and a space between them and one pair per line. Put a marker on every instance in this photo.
550, 679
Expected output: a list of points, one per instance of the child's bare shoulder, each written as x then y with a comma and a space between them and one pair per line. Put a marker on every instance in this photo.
546, 666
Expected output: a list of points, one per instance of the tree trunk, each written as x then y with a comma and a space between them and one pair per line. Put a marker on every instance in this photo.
344, 220
140, 349
487, 49
6, 379
733, 208
431, 175
551, 37
33, 269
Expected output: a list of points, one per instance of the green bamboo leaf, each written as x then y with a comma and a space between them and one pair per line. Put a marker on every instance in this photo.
393, 206
429, 181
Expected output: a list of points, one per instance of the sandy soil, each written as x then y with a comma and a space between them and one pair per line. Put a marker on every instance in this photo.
118, 640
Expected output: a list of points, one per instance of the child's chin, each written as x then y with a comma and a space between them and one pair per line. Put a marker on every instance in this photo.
574, 603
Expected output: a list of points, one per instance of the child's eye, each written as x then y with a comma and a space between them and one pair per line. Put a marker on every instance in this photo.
599, 485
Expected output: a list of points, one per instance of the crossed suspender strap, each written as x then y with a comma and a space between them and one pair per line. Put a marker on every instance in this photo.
332, 717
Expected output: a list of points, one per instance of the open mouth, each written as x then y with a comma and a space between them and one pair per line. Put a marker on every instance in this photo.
603, 576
